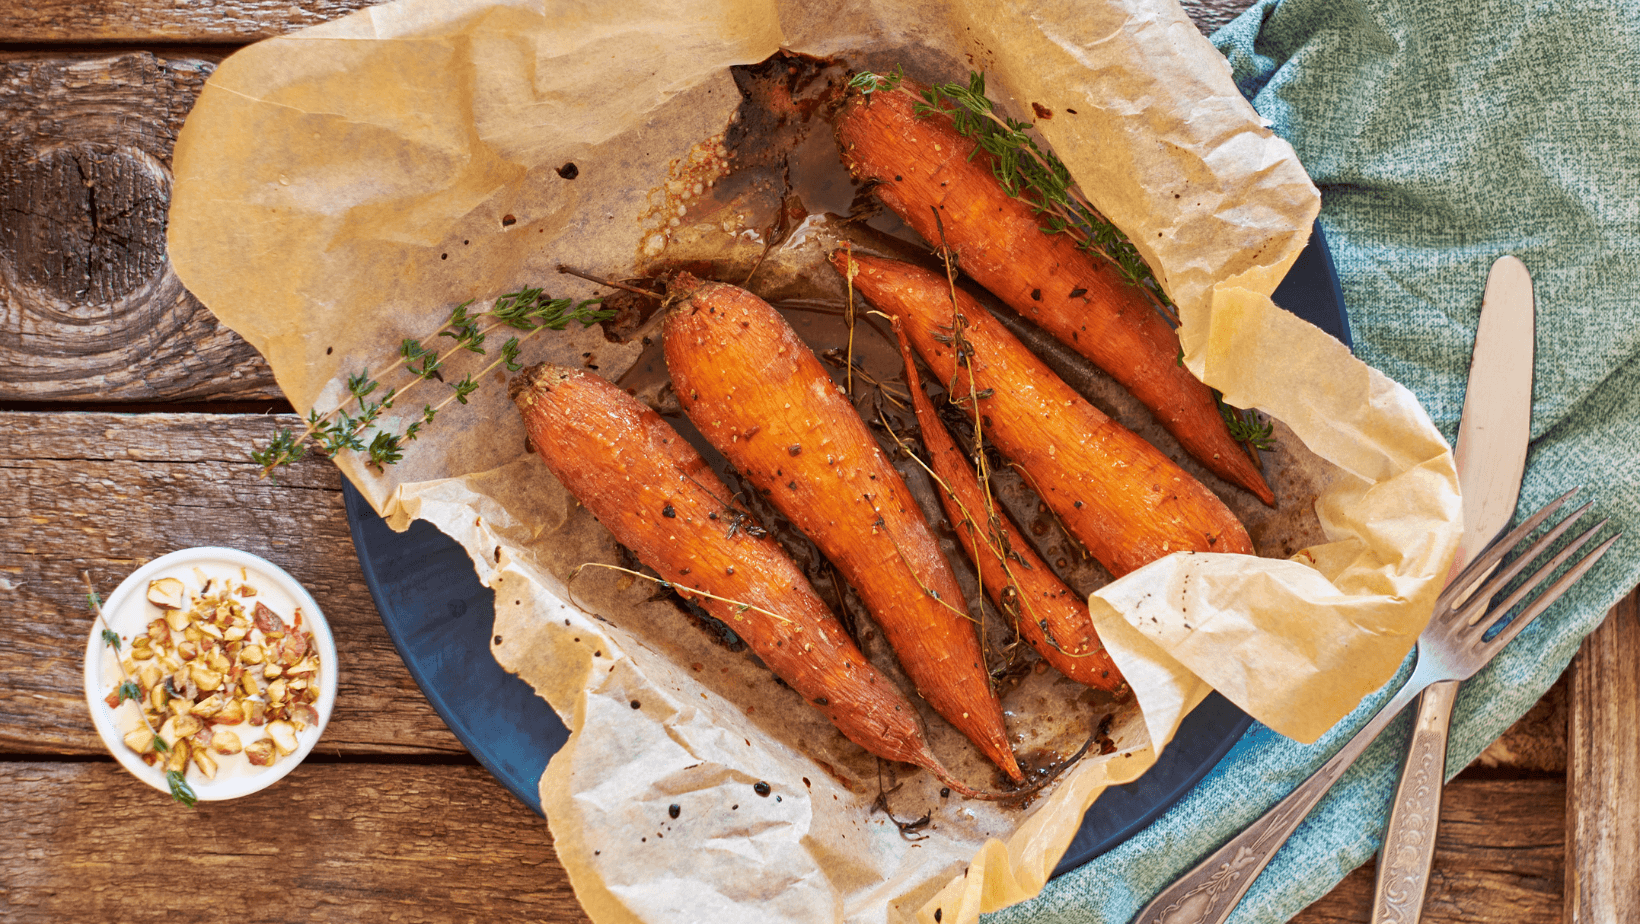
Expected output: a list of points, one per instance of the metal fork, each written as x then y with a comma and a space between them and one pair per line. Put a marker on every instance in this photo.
1453, 647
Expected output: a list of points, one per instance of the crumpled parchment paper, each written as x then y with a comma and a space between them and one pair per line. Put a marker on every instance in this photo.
342, 188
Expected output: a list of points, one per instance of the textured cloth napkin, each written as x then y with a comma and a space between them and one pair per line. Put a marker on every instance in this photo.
1442, 135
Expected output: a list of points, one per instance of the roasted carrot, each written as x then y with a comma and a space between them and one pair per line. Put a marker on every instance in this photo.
1052, 618
659, 498
921, 167
1126, 502
759, 394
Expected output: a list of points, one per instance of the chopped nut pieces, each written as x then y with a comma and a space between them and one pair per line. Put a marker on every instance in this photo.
260, 752
205, 663
167, 593
283, 735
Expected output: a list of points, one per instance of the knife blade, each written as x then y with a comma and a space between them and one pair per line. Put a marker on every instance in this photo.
1491, 459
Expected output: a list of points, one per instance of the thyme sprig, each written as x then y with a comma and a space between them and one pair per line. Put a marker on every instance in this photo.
1245, 425
128, 689
354, 425
1030, 172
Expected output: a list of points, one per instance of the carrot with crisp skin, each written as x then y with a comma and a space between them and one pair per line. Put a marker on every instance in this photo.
1053, 618
920, 167
759, 394
1126, 502
659, 498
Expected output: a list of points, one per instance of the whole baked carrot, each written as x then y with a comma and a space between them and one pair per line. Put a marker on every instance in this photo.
921, 165
659, 498
1053, 618
759, 394
1117, 495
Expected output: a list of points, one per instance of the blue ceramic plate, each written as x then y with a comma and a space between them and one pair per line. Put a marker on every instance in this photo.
439, 616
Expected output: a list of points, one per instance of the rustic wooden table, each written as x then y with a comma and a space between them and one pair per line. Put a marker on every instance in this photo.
125, 414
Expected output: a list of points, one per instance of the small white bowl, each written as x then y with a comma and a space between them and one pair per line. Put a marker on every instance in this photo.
128, 612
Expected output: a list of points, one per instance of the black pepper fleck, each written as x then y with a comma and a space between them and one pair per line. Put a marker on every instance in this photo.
669, 512
674, 810
636, 705
761, 788
569, 171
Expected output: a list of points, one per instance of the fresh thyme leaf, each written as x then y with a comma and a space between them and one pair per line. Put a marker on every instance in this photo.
128, 690
180, 790
869, 83
1245, 425
360, 385
111, 639
1038, 177
359, 424
385, 450
161, 746
93, 602
464, 388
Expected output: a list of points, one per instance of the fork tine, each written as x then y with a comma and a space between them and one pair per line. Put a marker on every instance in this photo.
1548, 597
1495, 552
1542, 574
1477, 602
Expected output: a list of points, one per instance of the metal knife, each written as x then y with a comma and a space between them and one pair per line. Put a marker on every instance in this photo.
1491, 458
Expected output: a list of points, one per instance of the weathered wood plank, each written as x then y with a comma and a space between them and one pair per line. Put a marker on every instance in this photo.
1603, 774
249, 20
1499, 856
89, 307
235, 21
448, 844
107, 492
332, 842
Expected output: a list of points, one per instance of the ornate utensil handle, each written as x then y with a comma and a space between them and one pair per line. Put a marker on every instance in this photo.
1209, 892
1409, 842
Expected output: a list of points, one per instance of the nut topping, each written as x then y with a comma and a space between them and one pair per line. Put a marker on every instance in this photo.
167, 593
205, 663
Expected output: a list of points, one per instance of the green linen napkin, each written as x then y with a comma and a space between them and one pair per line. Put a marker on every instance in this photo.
1442, 135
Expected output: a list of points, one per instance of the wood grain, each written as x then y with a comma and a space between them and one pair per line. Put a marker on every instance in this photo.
108, 492
1499, 856
435, 844
1603, 774
235, 21
338, 843
89, 307
241, 21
